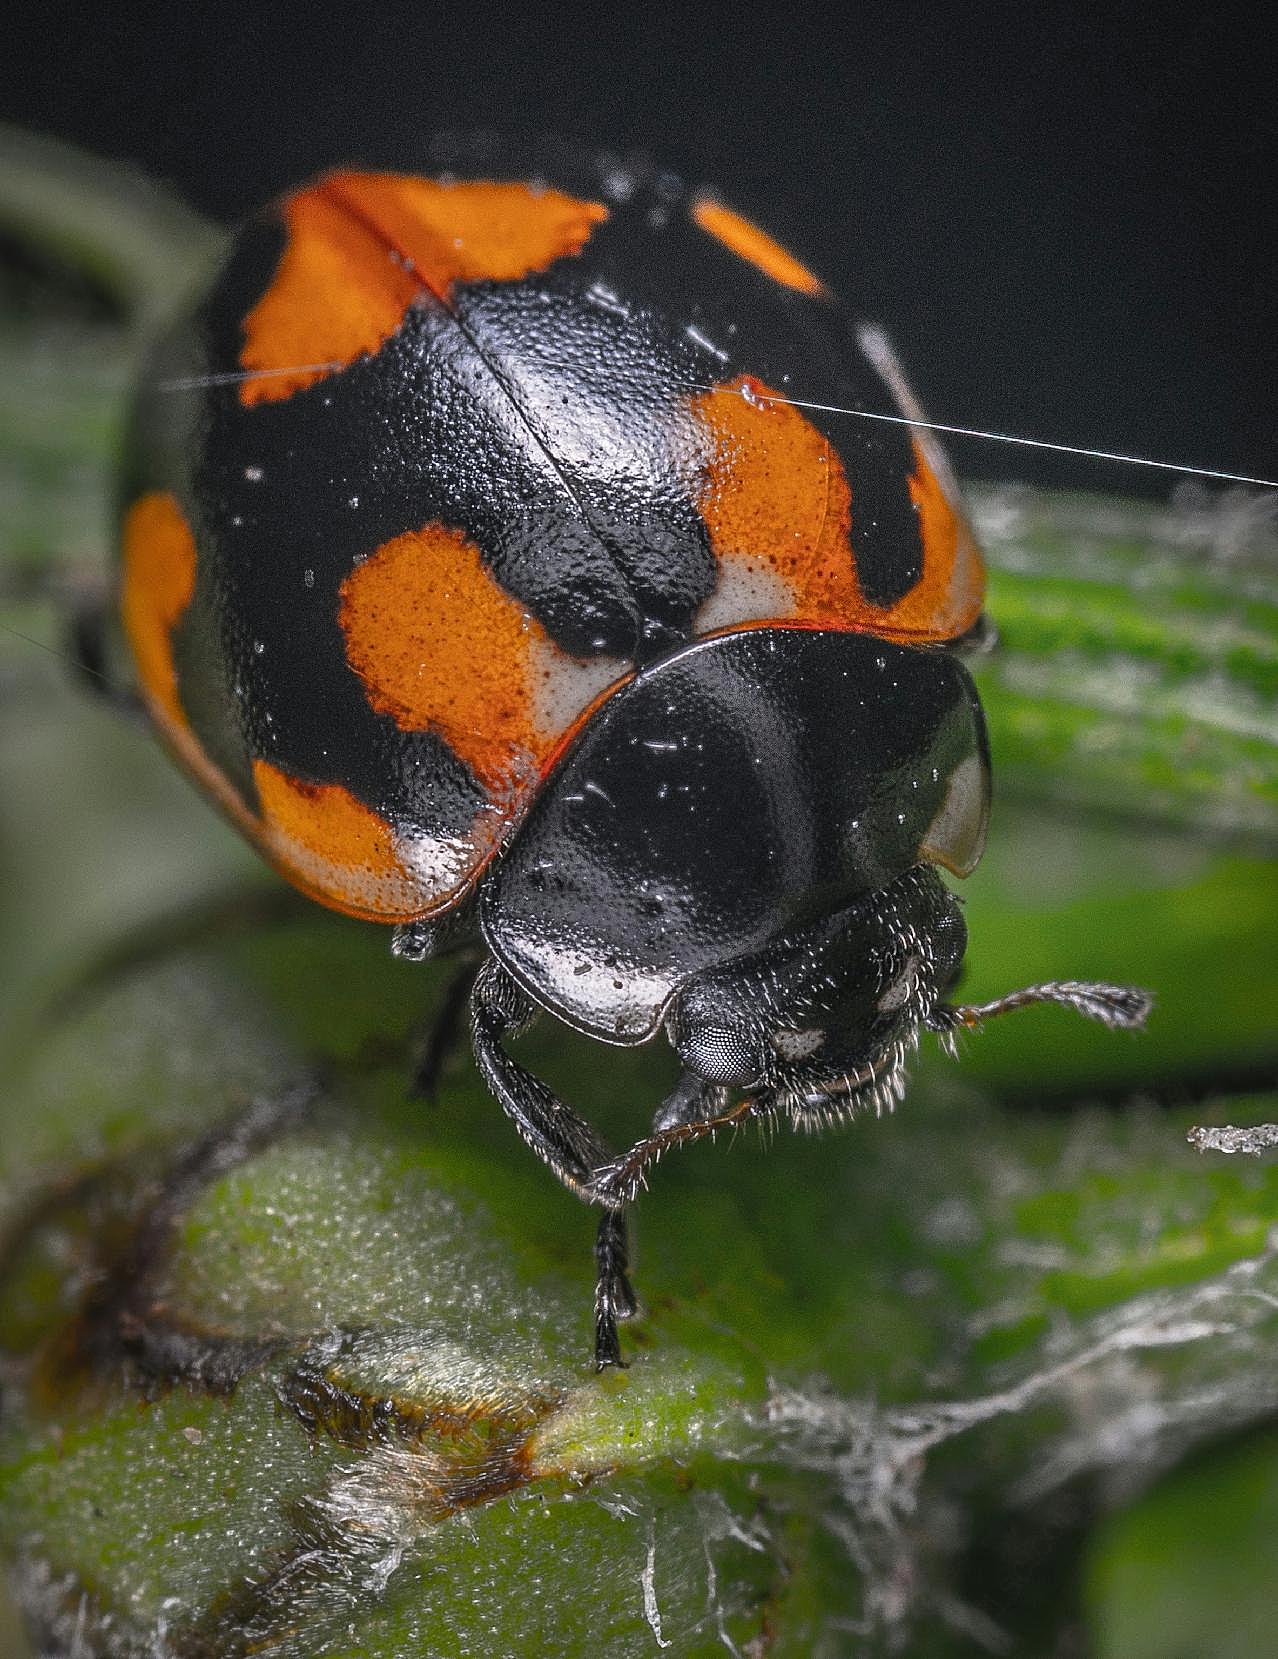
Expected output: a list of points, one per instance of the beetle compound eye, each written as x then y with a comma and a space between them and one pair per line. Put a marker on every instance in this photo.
720, 1055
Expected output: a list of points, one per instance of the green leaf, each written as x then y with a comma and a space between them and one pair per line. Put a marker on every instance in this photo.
102, 223
1139, 663
1186, 1571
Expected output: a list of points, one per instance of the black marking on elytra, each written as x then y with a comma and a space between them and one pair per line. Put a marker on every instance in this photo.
548, 420
208, 674
604, 390
739, 321
885, 526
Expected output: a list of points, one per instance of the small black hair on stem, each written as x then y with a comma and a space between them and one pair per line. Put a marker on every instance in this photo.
1121, 1007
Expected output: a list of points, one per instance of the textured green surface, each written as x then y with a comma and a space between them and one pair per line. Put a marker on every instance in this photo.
1139, 670
1188, 1571
295, 1365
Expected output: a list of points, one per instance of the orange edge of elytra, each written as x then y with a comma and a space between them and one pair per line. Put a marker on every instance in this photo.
184, 746
745, 239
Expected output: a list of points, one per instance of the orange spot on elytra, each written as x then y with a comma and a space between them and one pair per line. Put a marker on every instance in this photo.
317, 835
343, 853
440, 647
750, 243
775, 499
334, 296
157, 585
777, 504
466, 232
362, 247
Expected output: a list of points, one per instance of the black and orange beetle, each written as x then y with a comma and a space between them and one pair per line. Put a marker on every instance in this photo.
476, 564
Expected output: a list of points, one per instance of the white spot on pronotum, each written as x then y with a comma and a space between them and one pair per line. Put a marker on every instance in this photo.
254, 475
793, 1044
956, 836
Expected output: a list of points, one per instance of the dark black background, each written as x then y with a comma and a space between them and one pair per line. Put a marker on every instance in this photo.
1064, 214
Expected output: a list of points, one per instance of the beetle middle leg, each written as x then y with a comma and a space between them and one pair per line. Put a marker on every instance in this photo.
444, 1030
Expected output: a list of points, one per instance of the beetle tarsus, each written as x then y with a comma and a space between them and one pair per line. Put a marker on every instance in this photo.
612, 1256
614, 1297
607, 1345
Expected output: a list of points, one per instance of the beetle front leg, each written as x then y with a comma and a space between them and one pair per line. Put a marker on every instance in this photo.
564, 1142
693, 1108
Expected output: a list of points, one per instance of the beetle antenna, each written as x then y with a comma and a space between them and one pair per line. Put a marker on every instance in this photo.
1121, 1007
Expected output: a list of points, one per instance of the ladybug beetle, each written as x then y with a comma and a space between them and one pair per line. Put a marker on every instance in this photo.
477, 563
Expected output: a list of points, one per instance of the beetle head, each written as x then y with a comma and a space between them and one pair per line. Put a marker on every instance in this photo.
822, 1018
